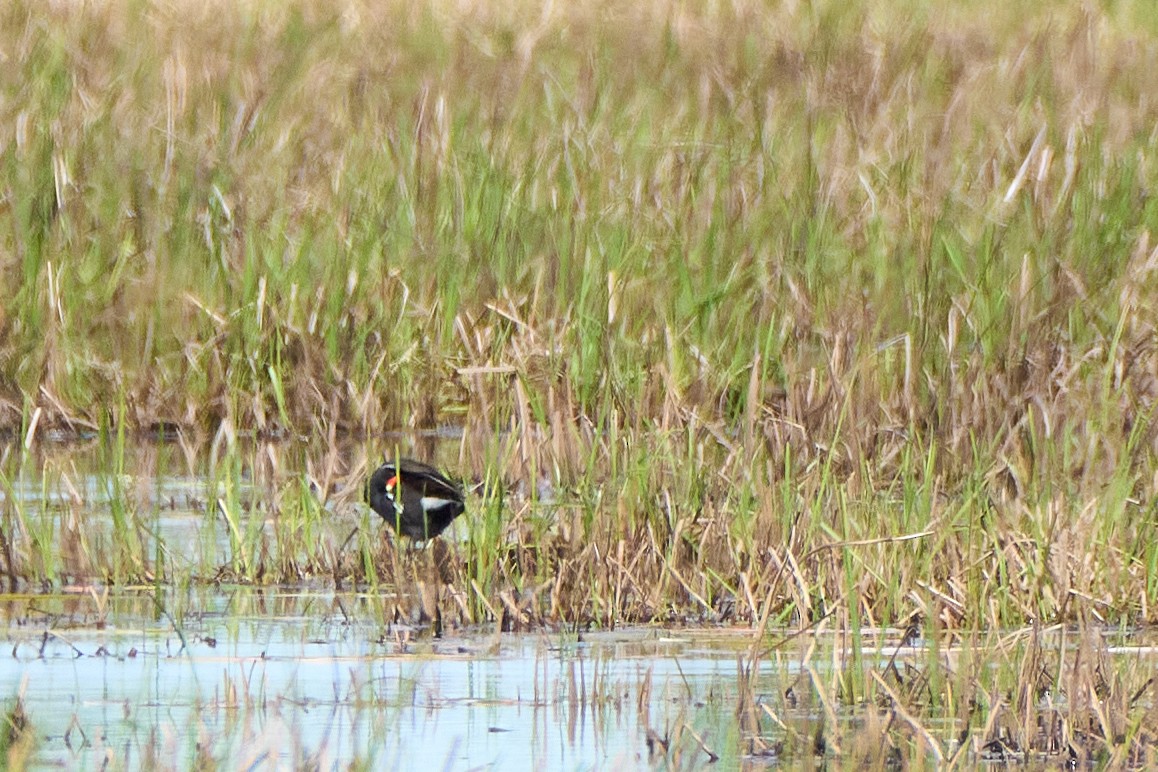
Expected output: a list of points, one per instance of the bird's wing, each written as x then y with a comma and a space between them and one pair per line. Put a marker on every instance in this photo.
434, 483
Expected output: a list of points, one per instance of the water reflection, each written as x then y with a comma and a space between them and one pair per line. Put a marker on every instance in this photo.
247, 677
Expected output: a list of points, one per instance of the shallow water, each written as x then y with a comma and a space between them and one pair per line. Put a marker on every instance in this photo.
277, 679
317, 680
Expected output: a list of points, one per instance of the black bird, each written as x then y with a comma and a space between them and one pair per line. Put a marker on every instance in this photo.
414, 498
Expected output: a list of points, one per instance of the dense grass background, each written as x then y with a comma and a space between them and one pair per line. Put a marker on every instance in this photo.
799, 308
801, 315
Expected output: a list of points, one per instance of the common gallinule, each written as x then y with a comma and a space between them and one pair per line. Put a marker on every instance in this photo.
415, 498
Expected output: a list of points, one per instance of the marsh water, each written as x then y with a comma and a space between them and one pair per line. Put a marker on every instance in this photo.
210, 673
285, 679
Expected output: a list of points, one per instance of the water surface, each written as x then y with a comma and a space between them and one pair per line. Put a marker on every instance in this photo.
277, 678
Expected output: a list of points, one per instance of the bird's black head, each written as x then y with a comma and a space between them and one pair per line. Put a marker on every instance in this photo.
380, 491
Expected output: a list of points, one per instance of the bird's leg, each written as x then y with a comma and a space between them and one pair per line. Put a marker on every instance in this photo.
431, 589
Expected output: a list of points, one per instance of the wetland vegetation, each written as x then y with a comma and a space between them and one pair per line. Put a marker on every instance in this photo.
805, 320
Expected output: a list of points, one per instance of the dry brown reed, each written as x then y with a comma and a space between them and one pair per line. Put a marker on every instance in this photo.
819, 318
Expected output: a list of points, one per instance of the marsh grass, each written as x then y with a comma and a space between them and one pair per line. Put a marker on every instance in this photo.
17, 735
775, 317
